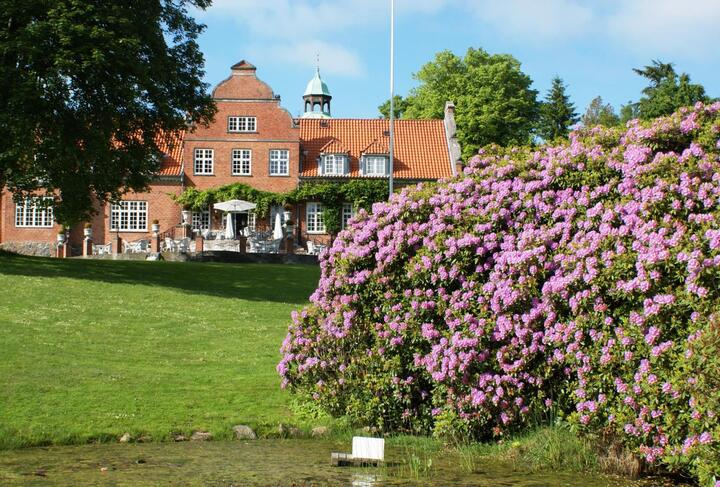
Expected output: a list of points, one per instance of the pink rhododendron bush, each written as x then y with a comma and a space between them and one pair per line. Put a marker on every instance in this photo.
580, 280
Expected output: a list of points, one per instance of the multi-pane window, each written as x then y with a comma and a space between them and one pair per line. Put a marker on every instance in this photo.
252, 221
347, 212
314, 218
242, 124
375, 165
241, 161
279, 162
201, 220
34, 212
334, 164
204, 161
129, 216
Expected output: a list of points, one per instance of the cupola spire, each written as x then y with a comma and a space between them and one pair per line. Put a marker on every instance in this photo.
317, 96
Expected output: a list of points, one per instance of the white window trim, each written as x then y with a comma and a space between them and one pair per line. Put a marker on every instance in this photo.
204, 216
242, 121
286, 160
252, 221
204, 161
375, 156
347, 211
30, 208
240, 161
339, 163
123, 207
315, 209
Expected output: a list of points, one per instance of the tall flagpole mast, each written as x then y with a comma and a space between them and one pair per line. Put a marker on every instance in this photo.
392, 94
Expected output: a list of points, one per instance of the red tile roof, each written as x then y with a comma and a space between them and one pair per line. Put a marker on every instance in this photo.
421, 150
171, 146
334, 146
378, 146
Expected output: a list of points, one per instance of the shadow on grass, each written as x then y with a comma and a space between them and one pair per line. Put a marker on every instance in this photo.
282, 283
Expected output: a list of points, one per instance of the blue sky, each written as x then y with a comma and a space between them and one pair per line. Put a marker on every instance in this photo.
592, 45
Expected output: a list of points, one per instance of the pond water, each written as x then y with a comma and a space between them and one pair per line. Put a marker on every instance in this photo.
300, 463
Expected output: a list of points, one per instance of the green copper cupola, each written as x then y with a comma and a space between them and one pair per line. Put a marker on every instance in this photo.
317, 98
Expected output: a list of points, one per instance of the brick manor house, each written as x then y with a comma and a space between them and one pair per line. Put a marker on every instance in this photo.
253, 140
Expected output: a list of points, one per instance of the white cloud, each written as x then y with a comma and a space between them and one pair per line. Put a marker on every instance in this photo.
294, 31
652, 28
537, 20
291, 18
334, 59
667, 27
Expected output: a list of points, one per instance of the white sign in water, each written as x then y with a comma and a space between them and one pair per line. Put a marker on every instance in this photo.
368, 448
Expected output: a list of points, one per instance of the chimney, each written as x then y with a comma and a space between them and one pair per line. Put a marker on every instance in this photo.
456, 164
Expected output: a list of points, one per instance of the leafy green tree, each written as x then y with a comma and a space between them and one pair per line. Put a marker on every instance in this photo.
667, 91
89, 88
599, 113
493, 99
400, 104
557, 114
629, 111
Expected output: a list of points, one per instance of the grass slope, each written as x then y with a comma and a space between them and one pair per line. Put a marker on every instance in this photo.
92, 349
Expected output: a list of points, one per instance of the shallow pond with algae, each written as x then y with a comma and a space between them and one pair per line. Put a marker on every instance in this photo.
267, 463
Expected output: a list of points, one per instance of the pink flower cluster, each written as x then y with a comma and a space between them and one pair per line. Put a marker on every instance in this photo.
572, 279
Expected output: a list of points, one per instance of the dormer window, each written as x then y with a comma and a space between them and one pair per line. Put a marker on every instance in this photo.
334, 165
242, 124
374, 165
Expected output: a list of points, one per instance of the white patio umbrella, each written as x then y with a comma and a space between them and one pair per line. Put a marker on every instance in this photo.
277, 230
230, 226
234, 206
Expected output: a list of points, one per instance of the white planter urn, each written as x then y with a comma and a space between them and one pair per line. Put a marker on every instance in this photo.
61, 238
186, 217
287, 214
87, 232
155, 228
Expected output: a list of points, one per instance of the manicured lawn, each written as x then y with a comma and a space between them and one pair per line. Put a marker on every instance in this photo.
93, 349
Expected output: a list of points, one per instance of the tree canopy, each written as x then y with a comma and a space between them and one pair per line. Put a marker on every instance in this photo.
667, 91
400, 104
90, 88
557, 113
493, 99
599, 113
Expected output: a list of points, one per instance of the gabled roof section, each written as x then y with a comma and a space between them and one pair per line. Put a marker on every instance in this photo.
243, 65
421, 149
334, 146
381, 145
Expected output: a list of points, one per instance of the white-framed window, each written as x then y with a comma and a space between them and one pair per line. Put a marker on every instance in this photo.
129, 216
204, 161
375, 165
201, 220
314, 218
34, 212
252, 221
241, 162
334, 164
279, 162
242, 124
347, 212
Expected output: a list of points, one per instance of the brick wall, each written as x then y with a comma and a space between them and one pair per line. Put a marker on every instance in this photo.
160, 207
243, 94
28, 237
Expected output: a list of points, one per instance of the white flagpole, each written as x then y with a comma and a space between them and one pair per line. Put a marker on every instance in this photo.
392, 93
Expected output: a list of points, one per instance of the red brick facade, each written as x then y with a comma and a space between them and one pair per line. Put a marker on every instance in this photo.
262, 127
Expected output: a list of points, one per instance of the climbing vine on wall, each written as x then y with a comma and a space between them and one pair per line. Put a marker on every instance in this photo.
361, 193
